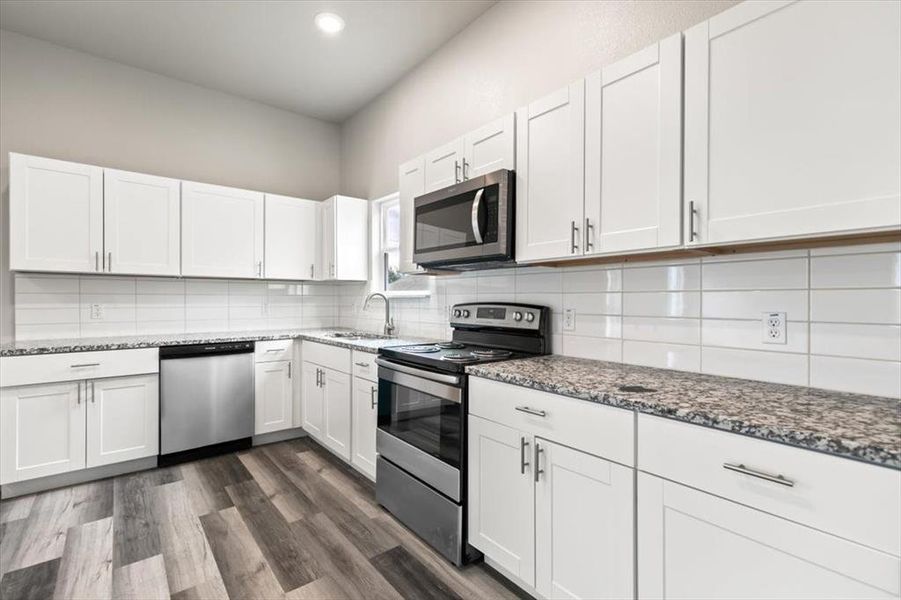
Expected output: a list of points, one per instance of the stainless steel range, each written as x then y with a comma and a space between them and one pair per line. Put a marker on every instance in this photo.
422, 408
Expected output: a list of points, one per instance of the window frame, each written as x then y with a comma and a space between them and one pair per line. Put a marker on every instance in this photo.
379, 280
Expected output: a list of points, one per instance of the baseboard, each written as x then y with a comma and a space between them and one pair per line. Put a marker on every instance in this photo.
41, 484
278, 436
511, 579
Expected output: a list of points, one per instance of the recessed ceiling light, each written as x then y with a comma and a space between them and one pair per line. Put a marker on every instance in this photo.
329, 23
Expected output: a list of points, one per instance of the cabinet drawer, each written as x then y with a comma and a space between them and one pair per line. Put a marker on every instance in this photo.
274, 350
69, 366
364, 365
600, 430
850, 499
331, 357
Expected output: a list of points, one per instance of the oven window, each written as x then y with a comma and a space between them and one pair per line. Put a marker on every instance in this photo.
426, 422
447, 224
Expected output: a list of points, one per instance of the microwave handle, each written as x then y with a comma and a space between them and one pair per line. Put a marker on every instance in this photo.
476, 230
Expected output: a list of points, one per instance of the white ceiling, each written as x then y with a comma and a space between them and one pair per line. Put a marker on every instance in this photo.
269, 51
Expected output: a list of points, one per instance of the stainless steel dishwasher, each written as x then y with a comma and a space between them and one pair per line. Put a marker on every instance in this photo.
206, 400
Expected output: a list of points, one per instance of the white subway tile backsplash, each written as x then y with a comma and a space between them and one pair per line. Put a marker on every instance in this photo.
662, 304
38, 316
592, 347
664, 356
861, 376
752, 364
666, 278
749, 335
857, 249
595, 280
752, 304
546, 282
605, 326
149, 285
45, 284
594, 304
789, 273
856, 306
856, 340
206, 286
46, 331
654, 329
856, 271
107, 285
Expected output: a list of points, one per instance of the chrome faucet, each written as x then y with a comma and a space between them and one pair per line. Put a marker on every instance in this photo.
389, 322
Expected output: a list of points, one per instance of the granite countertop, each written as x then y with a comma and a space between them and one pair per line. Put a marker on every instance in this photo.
31, 347
865, 428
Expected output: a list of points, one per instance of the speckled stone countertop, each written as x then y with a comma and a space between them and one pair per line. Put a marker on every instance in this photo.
865, 428
29, 347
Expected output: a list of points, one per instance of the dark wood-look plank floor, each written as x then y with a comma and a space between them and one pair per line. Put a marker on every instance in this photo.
287, 520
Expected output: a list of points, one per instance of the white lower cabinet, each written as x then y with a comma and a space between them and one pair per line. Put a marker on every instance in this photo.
42, 430
692, 544
364, 421
336, 388
273, 396
122, 419
311, 401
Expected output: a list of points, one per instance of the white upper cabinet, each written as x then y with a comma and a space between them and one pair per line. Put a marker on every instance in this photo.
345, 239
410, 183
490, 147
633, 152
792, 125
56, 215
292, 226
141, 224
550, 150
222, 231
444, 166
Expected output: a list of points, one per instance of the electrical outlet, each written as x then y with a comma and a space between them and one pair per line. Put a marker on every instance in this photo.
774, 328
97, 312
569, 320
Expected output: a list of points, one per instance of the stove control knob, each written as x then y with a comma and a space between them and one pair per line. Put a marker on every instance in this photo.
457, 312
517, 316
530, 317
465, 314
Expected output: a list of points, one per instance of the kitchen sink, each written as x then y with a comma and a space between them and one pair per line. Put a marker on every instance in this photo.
357, 335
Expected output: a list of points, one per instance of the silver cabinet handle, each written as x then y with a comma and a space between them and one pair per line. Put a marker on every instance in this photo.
289, 370
537, 468
531, 411
523, 463
275, 350
474, 217
109, 261
692, 234
96, 260
373, 397
311, 271
322, 378
362, 364
456, 171
259, 268
740, 468
80, 365
589, 229
93, 395
465, 164
318, 377
78, 399
573, 237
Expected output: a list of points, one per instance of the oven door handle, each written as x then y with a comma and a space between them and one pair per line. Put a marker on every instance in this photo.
439, 377
476, 203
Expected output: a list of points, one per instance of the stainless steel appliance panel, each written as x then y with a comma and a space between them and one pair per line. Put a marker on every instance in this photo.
434, 472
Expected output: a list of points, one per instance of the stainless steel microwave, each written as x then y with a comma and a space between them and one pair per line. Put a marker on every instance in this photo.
468, 225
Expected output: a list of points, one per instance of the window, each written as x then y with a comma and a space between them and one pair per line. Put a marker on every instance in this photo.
386, 269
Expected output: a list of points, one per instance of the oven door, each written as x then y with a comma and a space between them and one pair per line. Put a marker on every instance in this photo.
468, 222
420, 424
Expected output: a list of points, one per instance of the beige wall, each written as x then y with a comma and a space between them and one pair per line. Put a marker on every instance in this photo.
65, 104
512, 54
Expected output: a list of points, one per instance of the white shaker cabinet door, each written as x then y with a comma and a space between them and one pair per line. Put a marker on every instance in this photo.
583, 525
55, 215
272, 406
501, 496
350, 229
122, 419
141, 224
292, 226
444, 166
365, 421
550, 161
337, 393
311, 401
633, 152
792, 126
696, 545
490, 147
42, 430
411, 183
222, 231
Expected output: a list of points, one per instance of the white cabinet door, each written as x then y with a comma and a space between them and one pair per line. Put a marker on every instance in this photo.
311, 401
122, 419
142, 224
490, 147
55, 215
292, 226
501, 496
327, 223
550, 152
583, 525
222, 231
42, 430
411, 183
792, 125
272, 406
351, 238
633, 152
365, 420
696, 545
337, 393
444, 166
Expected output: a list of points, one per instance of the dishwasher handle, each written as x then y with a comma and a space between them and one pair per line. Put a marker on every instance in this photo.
213, 349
